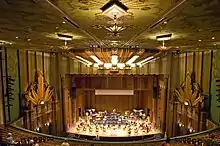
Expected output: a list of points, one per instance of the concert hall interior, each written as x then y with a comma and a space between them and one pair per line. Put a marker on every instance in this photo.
109, 72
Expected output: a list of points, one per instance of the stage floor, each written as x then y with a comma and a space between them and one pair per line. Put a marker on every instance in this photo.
116, 132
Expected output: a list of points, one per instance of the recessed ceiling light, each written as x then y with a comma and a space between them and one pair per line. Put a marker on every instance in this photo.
214, 44
16, 37
28, 39
165, 22
199, 40
57, 27
213, 38
64, 22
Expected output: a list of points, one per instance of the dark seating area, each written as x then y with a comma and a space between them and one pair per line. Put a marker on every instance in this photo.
209, 138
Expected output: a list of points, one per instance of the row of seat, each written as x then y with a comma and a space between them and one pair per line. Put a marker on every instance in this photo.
22, 136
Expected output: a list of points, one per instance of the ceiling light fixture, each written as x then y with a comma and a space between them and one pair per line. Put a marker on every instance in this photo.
64, 22
213, 38
114, 59
132, 59
199, 40
16, 37
64, 37
115, 29
145, 60
121, 65
164, 37
96, 59
107, 65
149, 61
84, 60
114, 8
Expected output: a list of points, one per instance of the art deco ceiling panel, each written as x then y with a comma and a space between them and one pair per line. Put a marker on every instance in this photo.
87, 14
196, 24
34, 24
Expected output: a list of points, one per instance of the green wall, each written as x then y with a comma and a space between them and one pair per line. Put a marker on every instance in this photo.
215, 115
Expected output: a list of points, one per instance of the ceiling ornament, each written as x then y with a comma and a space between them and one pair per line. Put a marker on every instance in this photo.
39, 92
115, 29
114, 8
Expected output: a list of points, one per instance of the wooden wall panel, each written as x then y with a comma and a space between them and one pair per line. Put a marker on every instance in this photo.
31, 65
120, 103
206, 71
39, 61
190, 62
142, 86
198, 67
182, 67
47, 67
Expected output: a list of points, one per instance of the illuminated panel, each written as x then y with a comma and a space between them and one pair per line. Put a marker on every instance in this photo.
114, 92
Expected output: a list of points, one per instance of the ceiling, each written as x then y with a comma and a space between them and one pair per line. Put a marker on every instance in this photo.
33, 24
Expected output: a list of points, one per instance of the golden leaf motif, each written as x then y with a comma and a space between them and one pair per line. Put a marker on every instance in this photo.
188, 92
39, 91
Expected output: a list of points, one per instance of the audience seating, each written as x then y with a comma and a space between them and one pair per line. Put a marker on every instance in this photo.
19, 135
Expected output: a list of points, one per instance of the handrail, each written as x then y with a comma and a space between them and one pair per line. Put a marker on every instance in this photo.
105, 142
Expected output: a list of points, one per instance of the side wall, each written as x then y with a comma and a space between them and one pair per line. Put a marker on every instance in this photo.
21, 66
204, 65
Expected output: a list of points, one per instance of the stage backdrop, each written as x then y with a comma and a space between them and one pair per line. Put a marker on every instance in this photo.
140, 91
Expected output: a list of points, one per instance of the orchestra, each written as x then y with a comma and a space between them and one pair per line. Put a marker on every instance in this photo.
104, 123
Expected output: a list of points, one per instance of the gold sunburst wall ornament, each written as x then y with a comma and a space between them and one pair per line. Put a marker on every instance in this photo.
39, 92
189, 93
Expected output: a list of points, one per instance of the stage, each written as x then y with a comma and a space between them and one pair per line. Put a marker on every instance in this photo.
113, 132
114, 126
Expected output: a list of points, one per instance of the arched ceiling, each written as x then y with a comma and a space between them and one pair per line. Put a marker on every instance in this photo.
33, 24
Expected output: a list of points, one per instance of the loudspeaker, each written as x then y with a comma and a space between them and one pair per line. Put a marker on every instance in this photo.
148, 112
73, 92
79, 112
155, 88
206, 102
